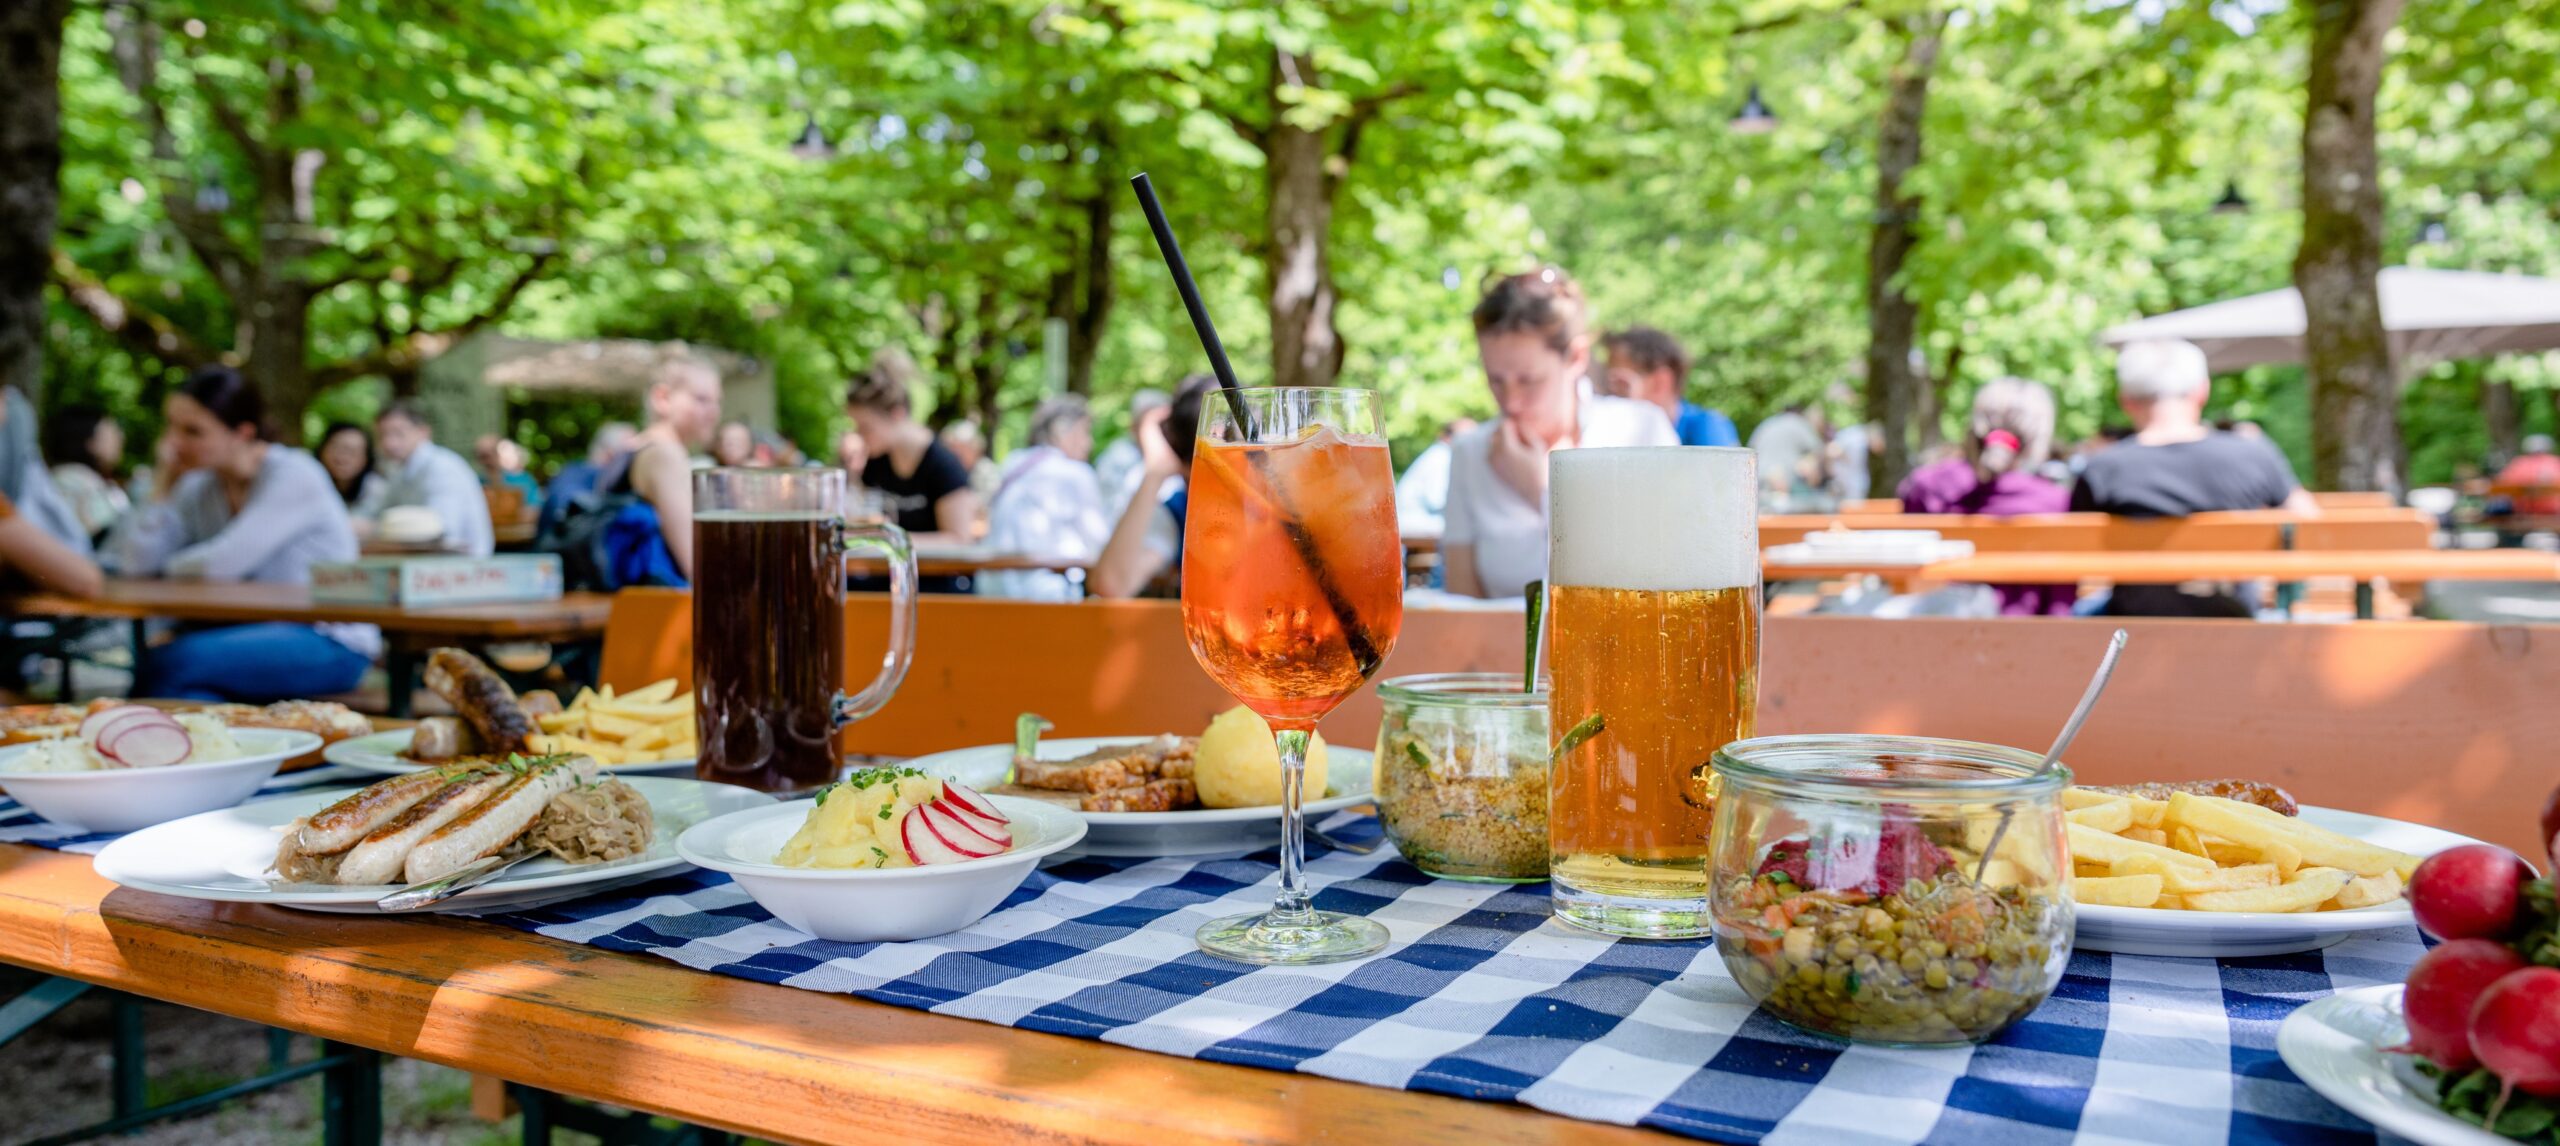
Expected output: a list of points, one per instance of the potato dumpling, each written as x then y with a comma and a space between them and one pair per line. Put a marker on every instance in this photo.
1237, 765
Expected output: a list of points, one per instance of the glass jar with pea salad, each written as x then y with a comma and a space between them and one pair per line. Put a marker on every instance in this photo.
1896, 890
1461, 777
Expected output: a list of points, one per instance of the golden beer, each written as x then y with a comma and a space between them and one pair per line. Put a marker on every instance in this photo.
1654, 646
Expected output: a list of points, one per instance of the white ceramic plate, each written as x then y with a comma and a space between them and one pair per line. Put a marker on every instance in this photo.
1197, 832
2335, 1044
230, 855
380, 754
888, 905
2210, 934
123, 799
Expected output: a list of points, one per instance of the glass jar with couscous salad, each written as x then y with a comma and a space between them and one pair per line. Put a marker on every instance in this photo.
1886, 889
1461, 778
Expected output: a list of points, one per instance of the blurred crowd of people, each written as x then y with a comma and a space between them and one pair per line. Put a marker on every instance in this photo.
1482, 487
222, 499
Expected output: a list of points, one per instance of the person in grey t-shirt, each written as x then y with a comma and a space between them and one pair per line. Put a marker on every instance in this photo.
420, 472
2175, 465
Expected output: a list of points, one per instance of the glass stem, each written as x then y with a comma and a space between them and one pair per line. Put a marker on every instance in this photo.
1292, 905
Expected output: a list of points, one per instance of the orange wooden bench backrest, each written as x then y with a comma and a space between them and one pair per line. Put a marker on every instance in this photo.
2087, 532
2327, 499
2443, 723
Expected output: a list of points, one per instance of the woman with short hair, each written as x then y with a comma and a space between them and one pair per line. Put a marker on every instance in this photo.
2008, 435
1048, 502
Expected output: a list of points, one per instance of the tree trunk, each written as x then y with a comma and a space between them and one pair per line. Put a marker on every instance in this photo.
2504, 419
1081, 292
1100, 291
2355, 391
1297, 259
278, 321
1896, 389
988, 352
30, 189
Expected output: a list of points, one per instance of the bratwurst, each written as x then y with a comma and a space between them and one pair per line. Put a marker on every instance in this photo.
482, 697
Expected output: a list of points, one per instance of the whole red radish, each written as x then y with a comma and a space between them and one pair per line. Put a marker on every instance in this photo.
2442, 988
2467, 892
2515, 1030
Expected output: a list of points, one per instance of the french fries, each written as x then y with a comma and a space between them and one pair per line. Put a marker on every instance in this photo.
643, 726
2100, 847
2225, 818
2116, 890
2204, 853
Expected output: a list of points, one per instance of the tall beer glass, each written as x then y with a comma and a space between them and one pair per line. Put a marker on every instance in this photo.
1653, 558
768, 624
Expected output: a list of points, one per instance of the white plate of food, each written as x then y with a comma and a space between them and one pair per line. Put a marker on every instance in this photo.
2377, 854
889, 854
132, 766
232, 855
1185, 829
2335, 1044
386, 754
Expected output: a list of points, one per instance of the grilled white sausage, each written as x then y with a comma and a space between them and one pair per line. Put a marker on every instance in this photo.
344, 824
379, 858
491, 824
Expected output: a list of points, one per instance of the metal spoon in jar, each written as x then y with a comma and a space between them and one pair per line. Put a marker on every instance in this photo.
2070, 729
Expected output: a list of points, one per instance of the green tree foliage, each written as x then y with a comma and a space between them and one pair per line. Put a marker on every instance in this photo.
1343, 176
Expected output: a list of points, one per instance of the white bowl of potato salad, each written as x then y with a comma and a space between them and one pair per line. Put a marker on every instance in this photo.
887, 854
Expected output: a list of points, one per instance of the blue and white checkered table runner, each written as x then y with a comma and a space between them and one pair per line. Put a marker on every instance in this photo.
1482, 995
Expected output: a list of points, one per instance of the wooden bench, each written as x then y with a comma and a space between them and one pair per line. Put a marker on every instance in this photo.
2440, 722
2083, 532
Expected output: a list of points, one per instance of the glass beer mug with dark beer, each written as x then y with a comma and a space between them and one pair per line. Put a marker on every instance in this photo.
1653, 629
768, 624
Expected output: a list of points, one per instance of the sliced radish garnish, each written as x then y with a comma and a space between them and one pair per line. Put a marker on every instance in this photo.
923, 846
1000, 834
97, 721
955, 827
972, 800
154, 746
107, 728
112, 736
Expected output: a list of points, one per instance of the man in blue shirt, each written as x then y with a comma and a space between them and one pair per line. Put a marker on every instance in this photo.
1649, 366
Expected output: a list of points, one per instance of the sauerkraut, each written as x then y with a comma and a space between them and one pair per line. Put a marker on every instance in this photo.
593, 823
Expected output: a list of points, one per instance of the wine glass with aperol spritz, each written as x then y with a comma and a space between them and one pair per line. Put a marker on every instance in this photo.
1292, 593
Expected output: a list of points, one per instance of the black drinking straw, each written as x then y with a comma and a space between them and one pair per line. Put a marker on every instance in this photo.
1362, 650
1208, 330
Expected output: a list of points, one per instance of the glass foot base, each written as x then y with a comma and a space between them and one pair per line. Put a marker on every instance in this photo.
1632, 918
1270, 940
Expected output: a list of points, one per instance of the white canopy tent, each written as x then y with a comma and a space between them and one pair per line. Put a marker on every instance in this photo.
2431, 316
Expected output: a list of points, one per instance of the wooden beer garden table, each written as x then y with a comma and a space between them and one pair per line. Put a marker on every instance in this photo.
2171, 567
632, 1030
406, 632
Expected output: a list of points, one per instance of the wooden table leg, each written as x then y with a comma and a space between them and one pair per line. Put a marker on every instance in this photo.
490, 1101
141, 645
400, 673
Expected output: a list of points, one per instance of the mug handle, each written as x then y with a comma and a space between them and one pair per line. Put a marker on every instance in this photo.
890, 542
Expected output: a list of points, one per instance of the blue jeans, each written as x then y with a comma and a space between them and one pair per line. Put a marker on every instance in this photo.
249, 663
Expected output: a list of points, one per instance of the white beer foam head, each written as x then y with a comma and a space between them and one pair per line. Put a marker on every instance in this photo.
1653, 517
